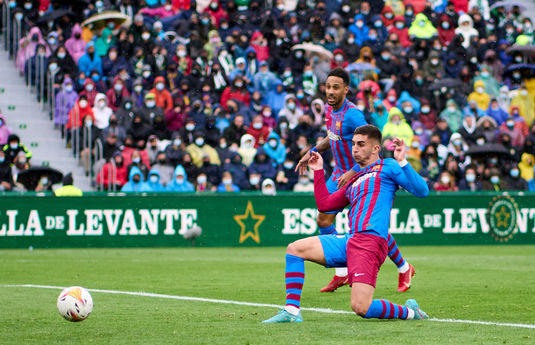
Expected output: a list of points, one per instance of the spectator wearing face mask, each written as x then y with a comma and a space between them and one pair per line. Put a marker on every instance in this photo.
78, 115
513, 181
291, 111
135, 182
153, 183
422, 27
75, 45
258, 130
263, 165
446, 30
117, 94
524, 101
446, 183
303, 185
199, 149
452, 115
433, 67
274, 148
495, 181
65, 101
150, 110
90, 91
479, 95
113, 174
466, 29
236, 91
514, 130
469, 181
162, 95
396, 126
227, 184
487, 128
180, 182
136, 162
90, 60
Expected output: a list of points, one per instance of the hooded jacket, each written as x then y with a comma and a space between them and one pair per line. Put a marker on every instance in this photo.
101, 115
424, 32
292, 115
361, 34
277, 153
466, 32
65, 101
247, 151
4, 130
185, 186
482, 99
27, 47
266, 168
154, 186
163, 98
454, 118
77, 115
135, 187
403, 34
401, 130
87, 64
526, 105
76, 46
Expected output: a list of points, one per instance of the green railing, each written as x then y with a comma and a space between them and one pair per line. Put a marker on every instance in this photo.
243, 219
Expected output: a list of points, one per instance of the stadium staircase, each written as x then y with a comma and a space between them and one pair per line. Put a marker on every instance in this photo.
26, 118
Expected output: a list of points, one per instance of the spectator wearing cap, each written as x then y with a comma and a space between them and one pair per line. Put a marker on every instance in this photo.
113, 173
150, 110
90, 60
198, 149
212, 171
180, 182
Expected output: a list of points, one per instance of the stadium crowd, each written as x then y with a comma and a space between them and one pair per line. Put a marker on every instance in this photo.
227, 95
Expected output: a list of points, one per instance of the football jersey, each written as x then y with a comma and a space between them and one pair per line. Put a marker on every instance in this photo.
341, 125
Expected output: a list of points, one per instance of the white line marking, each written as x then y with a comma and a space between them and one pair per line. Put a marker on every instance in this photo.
251, 304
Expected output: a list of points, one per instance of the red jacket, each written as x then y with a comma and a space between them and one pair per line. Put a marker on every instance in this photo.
231, 93
260, 135
163, 98
78, 114
403, 34
119, 178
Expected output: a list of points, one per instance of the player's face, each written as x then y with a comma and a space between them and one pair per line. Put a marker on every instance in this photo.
365, 151
336, 91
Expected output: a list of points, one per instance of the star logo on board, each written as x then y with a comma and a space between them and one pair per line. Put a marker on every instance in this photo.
502, 217
249, 223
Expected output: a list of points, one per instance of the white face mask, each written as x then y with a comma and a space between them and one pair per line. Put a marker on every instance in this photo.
524, 92
190, 127
179, 179
118, 87
445, 179
177, 142
480, 89
254, 180
273, 143
83, 103
227, 181
145, 36
160, 86
151, 104
138, 88
201, 179
257, 125
199, 141
89, 87
153, 178
181, 53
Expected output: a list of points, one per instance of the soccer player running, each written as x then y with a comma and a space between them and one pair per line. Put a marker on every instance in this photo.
342, 117
370, 194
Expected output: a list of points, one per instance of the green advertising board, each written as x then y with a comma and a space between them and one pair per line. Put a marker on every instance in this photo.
251, 220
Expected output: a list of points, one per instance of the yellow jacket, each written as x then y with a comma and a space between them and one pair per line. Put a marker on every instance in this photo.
68, 190
197, 153
482, 99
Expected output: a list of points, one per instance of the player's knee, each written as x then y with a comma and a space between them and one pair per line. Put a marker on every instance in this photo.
293, 249
360, 308
323, 221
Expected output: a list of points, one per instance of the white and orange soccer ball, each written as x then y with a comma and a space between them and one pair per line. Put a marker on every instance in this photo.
75, 303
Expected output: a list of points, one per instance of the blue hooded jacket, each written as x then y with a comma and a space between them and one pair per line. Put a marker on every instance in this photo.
361, 34
154, 186
277, 153
266, 168
185, 186
135, 187
274, 99
86, 64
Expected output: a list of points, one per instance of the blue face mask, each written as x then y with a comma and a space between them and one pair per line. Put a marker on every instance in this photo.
515, 173
494, 179
95, 78
2, 159
81, 81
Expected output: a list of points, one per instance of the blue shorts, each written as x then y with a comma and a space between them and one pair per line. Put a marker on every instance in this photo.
335, 249
332, 186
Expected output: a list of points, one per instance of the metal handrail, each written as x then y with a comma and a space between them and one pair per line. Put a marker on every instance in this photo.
6, 21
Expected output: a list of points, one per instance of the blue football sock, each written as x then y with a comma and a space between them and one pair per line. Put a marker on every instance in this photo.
294, 279
384, 309
328, 230
393, 252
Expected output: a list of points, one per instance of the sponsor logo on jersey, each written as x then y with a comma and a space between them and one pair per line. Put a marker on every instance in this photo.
333, 136
364, 178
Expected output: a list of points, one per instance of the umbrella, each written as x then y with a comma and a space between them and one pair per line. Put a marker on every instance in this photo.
53, 15
30, 177
487, 149
100, 19
314, 49
508, 5
448, 83
520, 66
528, 49
361, 66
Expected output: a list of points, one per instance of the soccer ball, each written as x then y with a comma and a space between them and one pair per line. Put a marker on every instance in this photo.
75, 303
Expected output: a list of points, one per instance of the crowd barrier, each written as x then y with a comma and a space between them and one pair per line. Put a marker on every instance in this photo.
101, 220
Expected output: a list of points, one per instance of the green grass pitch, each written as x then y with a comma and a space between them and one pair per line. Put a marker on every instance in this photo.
494, 283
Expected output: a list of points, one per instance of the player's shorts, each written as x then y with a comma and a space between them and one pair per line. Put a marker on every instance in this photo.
332, 186
334, 249
365, 255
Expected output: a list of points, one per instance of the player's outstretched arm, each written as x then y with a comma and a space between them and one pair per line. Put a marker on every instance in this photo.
325, 201
302, 165
409, 179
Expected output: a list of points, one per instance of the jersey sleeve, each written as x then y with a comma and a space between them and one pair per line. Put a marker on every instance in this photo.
328, 202
356, 118
409, 179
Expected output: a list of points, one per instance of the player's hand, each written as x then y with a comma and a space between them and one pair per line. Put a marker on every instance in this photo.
303, 164
344, 179
316, 161
400, 149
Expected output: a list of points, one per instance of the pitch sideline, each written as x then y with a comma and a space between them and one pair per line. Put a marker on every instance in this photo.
251, 304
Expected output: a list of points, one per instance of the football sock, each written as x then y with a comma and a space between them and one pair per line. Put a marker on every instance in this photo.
295, 277
328, 230
341, 271
395, 255
383, 309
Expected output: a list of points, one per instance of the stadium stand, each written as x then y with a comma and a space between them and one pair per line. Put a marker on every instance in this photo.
197, 89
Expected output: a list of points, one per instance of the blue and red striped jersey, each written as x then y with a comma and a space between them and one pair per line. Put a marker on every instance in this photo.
370, 194
340, 127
